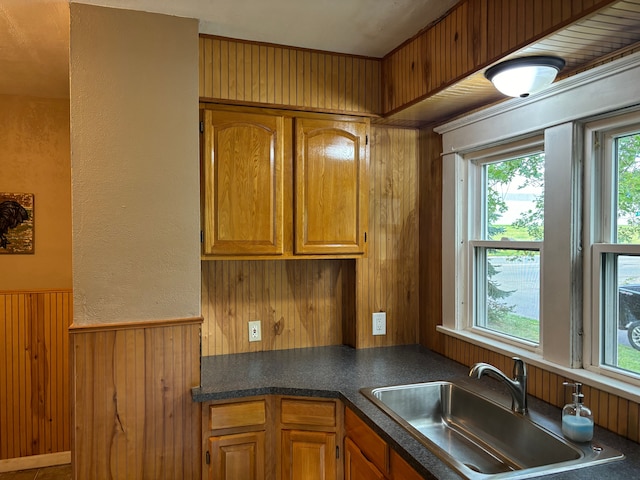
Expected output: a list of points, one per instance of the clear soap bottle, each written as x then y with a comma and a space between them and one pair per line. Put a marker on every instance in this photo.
577, 420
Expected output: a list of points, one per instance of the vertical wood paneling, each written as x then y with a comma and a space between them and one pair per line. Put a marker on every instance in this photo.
473, 35
430, 176
274, 75
388, 277
34, 378
133, 413
299, 303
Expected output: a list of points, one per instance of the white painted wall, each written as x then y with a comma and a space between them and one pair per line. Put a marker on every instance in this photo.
135, 165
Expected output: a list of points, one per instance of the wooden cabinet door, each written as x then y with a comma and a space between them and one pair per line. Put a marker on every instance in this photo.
243, 157
331, 193
239, 456
356, 466
308, 455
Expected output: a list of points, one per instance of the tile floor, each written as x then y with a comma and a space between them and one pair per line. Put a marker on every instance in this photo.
61, 472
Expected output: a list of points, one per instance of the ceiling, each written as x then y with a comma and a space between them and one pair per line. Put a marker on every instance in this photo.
34, 48
34, 34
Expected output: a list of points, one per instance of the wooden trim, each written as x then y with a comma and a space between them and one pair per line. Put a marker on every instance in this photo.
103, 327
35, 461
36, 290
293, 108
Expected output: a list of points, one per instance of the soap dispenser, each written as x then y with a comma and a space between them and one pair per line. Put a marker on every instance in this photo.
577, 420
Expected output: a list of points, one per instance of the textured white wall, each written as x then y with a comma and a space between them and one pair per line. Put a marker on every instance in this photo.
135, 165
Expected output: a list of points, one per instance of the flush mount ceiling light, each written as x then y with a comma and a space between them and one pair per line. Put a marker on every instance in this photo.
521, 77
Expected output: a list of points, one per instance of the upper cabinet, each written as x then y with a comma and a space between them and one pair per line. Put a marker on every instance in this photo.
243, 159
331, 186
277, 185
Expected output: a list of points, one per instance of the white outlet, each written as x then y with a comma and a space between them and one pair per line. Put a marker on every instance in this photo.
255, 331
379, 323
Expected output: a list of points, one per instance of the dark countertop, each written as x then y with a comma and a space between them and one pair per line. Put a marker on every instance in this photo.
341, 371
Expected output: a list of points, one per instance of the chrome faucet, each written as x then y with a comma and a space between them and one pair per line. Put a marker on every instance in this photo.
517, 386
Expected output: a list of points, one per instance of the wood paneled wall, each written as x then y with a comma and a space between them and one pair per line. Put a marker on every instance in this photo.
473, 35
34, 373
310, 303
388, 279
299, 302
236, 71
133, 414
430, 180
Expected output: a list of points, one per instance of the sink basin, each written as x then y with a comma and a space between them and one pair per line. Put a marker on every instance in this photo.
480, 438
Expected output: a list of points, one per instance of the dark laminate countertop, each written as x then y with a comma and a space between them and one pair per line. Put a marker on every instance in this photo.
341, 371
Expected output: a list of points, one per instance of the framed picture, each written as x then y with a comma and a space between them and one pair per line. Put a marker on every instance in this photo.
16, 223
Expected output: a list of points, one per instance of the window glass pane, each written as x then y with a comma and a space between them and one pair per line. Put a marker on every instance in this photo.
628, 188
622, 312
514, 199
508, 291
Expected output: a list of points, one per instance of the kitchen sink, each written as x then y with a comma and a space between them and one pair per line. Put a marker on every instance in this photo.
480, 438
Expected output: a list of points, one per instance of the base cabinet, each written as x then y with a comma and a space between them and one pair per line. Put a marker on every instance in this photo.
356, 465
308, 455
368, 457
294, 438
237, 456
234, 436
309, 430
272, 438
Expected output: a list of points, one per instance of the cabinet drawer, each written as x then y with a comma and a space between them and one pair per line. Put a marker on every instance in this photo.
308, 412
240, 414
370, 444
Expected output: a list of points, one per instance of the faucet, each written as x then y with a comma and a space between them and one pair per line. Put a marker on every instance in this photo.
517, 386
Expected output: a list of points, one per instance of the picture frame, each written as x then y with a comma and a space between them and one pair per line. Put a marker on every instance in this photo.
16, 223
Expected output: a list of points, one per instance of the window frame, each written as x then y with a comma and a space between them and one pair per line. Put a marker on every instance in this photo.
559, 112
599, 235
476, 219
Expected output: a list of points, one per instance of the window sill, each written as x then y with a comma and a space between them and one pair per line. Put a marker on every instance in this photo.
622, 389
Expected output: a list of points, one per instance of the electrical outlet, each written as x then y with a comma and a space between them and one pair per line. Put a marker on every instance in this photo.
379, 323
255, 331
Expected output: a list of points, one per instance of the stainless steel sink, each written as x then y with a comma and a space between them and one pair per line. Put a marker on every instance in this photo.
480, 438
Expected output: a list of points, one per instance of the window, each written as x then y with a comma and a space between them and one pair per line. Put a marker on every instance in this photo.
507, 233
574, 251
616, 247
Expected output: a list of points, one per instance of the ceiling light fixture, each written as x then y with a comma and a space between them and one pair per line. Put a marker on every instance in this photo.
520, 77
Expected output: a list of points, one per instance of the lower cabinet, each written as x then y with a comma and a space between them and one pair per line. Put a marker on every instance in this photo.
294, 438
368, 457
235, 435
237, 456
356, 465
272, 438
308, 455
309, 431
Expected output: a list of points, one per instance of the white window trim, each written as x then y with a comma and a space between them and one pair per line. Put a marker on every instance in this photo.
557, 112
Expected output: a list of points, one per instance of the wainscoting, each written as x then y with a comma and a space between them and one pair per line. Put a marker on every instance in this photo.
34, 377
133, 415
